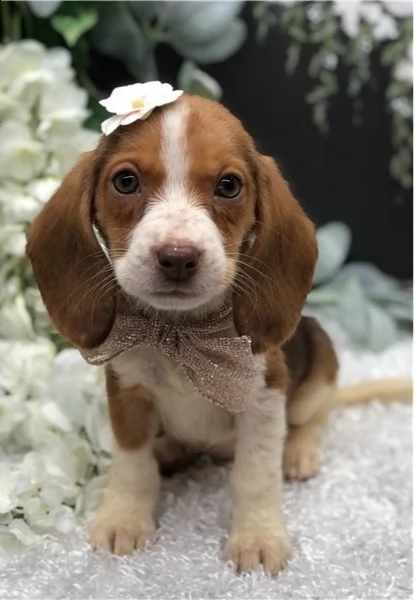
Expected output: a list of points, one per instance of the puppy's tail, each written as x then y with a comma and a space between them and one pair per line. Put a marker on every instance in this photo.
386, 390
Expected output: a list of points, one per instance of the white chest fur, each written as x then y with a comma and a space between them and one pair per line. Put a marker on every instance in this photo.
184, 414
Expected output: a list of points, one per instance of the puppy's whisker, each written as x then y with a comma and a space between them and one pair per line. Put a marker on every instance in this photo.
106, 277
101, 293
246, 260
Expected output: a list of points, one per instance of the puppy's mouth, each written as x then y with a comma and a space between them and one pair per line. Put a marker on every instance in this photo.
174, 293
177, 296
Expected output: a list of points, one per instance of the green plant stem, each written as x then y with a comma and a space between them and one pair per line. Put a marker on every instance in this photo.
88, 84
27, 18
155, 33
7, 23
81, 59
16, 27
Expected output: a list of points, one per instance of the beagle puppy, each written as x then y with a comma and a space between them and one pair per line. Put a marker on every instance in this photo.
173, 215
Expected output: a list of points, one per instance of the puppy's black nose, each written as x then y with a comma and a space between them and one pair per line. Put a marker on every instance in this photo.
178, 263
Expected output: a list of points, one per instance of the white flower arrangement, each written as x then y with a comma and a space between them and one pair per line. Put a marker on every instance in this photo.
52, 405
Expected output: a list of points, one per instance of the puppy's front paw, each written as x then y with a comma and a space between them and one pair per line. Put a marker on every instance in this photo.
249, 549
120, 532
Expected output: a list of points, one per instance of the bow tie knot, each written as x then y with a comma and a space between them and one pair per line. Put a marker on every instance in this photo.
218, 362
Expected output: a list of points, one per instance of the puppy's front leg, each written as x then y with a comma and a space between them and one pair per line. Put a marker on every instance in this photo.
125, 519
258, 534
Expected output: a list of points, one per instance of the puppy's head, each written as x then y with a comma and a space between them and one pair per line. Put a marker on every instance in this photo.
188, 210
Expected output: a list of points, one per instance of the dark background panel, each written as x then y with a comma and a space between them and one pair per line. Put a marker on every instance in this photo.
342, 175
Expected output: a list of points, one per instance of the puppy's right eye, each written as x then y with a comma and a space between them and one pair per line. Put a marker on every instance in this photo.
126, 182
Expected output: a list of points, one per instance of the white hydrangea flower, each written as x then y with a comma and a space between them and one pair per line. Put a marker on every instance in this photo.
24, 367
136, 101
62, 519
8, 497
22, 156
13, 240
19, 58
12, 414
93, 494
73, 385
42, 189
47, 400
18, 532
399, 8
54, 416
98, 429
404, 69
24, 206
15, 320
62, 102
83, 455
351, 13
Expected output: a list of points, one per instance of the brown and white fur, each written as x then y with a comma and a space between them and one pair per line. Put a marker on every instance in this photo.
261, 246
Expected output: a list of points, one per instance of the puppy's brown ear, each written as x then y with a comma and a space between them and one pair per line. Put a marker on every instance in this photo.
71, 270
280, 264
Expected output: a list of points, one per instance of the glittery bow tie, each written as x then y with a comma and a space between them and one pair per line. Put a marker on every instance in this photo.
218, 362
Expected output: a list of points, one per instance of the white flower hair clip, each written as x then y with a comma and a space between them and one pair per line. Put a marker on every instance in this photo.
137, 101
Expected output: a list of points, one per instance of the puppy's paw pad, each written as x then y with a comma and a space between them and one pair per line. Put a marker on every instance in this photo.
301, 459
248, 551
120, 536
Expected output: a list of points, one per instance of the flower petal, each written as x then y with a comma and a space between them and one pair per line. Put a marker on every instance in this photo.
111, 124
136, 115
62, 519
22, 532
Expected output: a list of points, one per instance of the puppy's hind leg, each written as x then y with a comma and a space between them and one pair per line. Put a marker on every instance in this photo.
301, 458
309, 403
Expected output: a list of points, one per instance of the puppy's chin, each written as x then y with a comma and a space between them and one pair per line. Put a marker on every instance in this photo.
177, 301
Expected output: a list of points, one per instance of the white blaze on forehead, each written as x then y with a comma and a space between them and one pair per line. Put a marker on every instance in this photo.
174, 151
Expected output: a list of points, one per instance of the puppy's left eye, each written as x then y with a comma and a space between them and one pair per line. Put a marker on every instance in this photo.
229, 186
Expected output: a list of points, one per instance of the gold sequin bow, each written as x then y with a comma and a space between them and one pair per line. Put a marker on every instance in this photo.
218, 362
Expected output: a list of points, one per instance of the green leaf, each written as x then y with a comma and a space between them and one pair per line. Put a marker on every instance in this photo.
118, 35
365, 323
145, 9
195, 81
73, 20
325, 31
376, 285
320, 110
293, 58
298, 33
318, 94
352, 311
324, 295
382, 329
334, 241
401, 312
44, 8
217, 49
200, 22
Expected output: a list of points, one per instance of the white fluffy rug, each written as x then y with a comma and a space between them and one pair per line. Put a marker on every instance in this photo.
351, 526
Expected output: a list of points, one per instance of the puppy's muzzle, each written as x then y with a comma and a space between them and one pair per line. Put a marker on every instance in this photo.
177, 262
